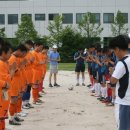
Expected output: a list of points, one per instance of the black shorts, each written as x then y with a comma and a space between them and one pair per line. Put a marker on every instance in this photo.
80, 68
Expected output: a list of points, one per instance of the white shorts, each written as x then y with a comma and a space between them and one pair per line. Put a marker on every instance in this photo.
53, 69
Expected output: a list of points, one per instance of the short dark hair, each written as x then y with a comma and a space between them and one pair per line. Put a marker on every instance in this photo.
80, 49
5, 48
120, 42
22, 48
46, 47
38, 43
99, 50
29, 42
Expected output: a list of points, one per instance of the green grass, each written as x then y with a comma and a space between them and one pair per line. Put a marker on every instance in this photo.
66, 66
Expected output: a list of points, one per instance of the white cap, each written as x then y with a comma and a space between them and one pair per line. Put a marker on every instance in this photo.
55, 46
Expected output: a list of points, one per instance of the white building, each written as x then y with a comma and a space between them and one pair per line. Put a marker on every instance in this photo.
42, 11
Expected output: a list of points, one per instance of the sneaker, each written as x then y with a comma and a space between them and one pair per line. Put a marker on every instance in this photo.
50, 85
14, 122
40, 95
56, 85
83, 84
25, 106
77, 84
89, 85
30, 106
18, 119
21, 114
37, 103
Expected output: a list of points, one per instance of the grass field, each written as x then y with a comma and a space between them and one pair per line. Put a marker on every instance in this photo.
66, 66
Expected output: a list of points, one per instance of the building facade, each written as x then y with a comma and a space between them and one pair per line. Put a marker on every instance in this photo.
43, 11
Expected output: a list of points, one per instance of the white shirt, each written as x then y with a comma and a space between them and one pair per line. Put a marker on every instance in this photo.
118, 74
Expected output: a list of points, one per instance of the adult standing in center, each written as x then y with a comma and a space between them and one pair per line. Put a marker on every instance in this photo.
80, 57
54, 58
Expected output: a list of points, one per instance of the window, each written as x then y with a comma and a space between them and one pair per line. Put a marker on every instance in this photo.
67, 18
97, 16
30, 15
2, 19
51, 16
79, 17
126, 17
12, 18
39, 17
108, 17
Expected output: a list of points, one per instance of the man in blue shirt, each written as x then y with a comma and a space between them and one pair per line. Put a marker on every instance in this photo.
54, 58
80, 57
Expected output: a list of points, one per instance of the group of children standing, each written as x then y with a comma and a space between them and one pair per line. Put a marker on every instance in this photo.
101, 62
22, 71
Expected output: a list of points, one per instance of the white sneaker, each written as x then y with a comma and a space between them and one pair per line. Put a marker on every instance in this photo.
21, 114
25, 107
37, 103
24, 112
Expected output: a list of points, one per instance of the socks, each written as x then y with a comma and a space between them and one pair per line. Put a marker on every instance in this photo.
78, 80
83, 79
99, 89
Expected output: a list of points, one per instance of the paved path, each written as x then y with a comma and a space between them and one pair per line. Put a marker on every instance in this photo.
69, 110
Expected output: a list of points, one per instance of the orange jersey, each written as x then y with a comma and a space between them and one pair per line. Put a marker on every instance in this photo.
45, 65
15, 82
4, 78
36, 66
28, 68
23, 76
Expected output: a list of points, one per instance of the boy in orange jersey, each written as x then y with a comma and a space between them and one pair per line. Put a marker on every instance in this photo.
44, 67
5, 76
30, 59
37, 75
16, 90
23, 87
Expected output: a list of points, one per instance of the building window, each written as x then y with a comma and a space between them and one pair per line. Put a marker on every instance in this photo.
79, 17
108, 17
12, 18
67, 18
39, 17
97, 17
52, 16
2, 19
30, 15
126, 17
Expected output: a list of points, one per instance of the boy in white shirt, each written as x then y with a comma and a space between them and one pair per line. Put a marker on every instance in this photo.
121, 81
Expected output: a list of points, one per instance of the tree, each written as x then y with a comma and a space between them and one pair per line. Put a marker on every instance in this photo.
71, 41
89, 27
2, 32
26, 30
119, 26
55, 28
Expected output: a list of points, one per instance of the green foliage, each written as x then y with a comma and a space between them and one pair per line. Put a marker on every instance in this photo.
2, 32
55, 28
26, 30
71, 41
88, 26
119, 26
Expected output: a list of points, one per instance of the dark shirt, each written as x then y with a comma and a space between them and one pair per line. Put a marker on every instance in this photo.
79, 61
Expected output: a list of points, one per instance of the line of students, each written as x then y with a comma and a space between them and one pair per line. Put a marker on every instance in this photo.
100, 62
21, 70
